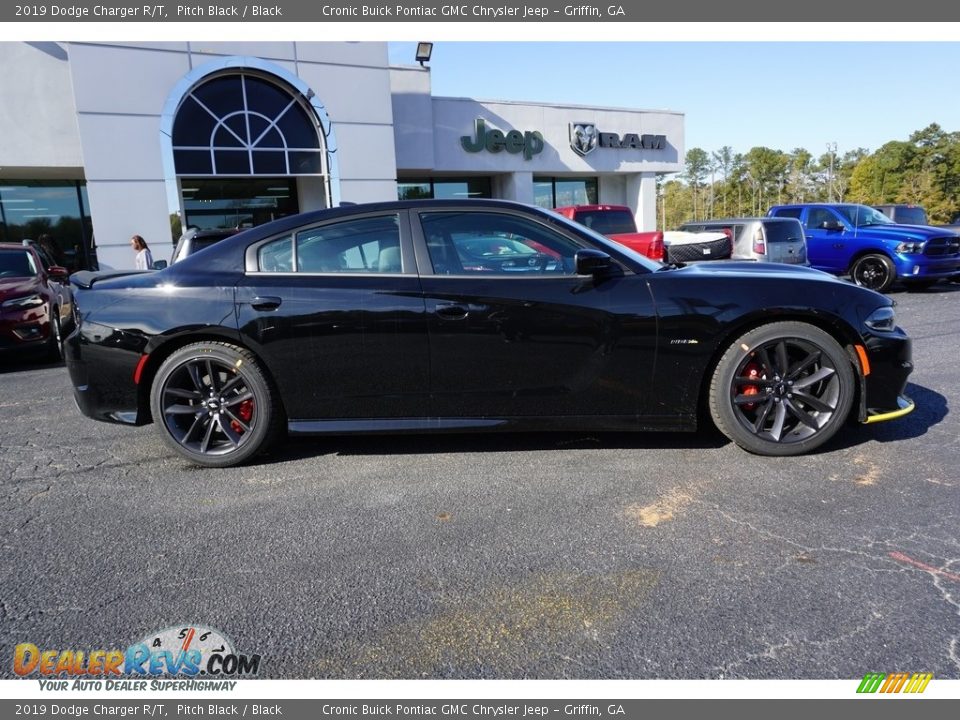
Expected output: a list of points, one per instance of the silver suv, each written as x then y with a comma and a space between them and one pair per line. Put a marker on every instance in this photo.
761, 239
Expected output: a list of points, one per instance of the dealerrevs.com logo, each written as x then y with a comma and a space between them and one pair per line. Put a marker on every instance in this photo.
186, 651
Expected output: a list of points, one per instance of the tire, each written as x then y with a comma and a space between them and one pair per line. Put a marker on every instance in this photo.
772, 363
55, 343
873, 271
214, 405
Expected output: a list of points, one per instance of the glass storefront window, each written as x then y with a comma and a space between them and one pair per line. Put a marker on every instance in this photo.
561, 192
414, 190
444, 188
54, 211
236, 203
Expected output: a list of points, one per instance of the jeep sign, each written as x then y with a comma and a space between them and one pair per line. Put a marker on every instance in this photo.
529, 143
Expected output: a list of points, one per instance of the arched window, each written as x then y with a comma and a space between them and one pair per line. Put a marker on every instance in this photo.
245, 124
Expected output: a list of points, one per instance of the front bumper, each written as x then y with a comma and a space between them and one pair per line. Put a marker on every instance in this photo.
907, 406
24, 329
890, 356
919, 267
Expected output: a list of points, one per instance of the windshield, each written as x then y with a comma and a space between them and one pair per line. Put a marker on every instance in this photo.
860, 215
17, 263
604, 243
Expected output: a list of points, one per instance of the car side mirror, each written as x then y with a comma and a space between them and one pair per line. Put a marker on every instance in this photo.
159, 264
831, 225
58, 273
592, 262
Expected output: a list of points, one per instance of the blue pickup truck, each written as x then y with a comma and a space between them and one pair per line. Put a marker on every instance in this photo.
862, 242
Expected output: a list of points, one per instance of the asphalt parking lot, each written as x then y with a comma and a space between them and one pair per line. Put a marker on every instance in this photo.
582, 556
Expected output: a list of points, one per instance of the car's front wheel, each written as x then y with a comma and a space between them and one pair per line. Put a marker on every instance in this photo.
782, 389
214, 405
55, 343
874, 271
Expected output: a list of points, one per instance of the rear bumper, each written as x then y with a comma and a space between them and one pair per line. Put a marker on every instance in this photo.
94, 373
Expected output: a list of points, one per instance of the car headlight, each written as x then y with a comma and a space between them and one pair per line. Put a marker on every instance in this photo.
24, 303
882, 319
912, 247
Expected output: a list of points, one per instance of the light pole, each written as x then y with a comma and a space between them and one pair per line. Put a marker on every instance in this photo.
832, 149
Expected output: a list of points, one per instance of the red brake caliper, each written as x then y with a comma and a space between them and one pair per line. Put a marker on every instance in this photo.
752, 371
244, 412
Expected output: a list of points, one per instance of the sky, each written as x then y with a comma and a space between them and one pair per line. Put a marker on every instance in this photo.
782, 95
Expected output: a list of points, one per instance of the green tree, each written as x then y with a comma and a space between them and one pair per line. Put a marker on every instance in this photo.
695, 172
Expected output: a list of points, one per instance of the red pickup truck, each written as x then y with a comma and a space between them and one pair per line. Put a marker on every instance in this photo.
617, 223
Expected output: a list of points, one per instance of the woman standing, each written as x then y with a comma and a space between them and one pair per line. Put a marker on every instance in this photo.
144, 259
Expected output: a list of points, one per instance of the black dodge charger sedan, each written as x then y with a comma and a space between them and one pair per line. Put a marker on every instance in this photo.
474, 315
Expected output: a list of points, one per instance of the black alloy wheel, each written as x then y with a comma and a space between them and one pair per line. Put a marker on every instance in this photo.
214, 405
874, 271
782, 389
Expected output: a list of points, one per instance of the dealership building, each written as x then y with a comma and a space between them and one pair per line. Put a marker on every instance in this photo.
103, 140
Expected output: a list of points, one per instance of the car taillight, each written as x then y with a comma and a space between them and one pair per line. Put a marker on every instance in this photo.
759, 242
655, 251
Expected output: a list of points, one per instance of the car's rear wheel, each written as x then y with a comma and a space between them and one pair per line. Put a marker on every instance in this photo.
873, 271
782, 389
214, 405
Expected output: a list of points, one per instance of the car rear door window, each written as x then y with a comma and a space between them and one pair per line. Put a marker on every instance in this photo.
362, 245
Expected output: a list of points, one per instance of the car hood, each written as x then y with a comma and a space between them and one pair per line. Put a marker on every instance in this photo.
14, 287
903, 232
744, 269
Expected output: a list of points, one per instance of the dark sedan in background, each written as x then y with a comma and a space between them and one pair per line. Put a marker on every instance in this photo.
35, 302
474, 315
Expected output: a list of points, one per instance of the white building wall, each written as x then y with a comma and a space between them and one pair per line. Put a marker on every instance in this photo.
412, 117
39, 137
613, 190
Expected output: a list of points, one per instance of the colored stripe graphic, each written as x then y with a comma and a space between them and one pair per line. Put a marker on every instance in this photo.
871, 682
918, 683
894, 683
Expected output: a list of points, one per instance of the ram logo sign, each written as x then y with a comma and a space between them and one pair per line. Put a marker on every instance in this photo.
583, 138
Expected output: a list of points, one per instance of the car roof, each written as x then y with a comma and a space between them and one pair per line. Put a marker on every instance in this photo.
231, 244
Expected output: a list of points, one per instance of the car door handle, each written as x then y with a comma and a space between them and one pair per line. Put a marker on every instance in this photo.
452, 311
267, 302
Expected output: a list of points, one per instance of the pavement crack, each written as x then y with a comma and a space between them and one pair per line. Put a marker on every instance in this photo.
773, 651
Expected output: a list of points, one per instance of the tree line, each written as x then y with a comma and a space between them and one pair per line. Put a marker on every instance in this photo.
923, 170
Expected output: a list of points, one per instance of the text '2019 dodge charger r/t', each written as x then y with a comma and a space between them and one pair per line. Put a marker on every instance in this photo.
474, 315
